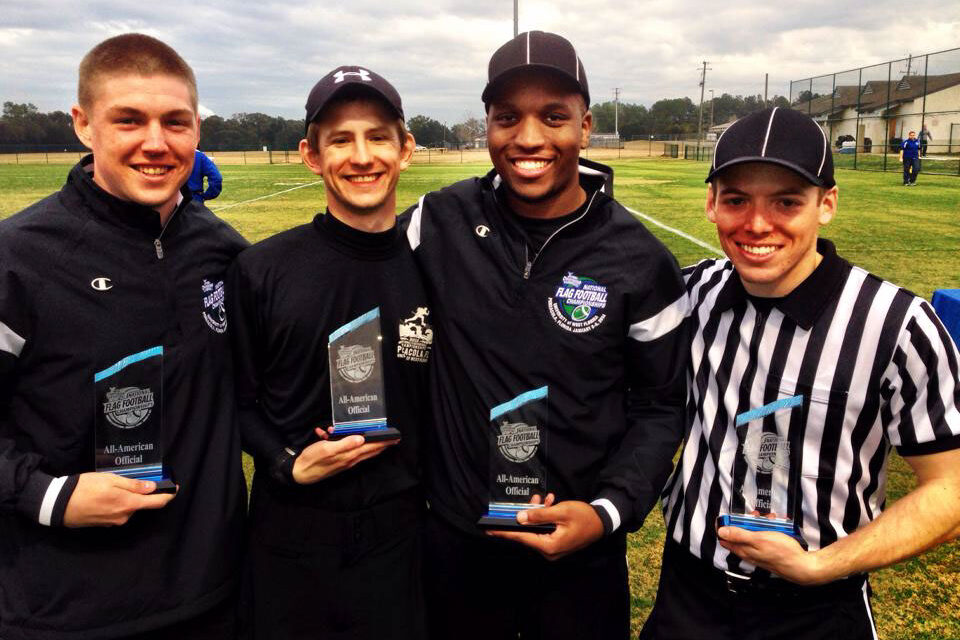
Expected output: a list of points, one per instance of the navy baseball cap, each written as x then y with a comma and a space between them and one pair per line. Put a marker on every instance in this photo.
536, 50
779, 136
353, 79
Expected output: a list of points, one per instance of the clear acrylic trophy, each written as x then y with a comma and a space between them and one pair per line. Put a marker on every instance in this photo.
765, 478
129, 419
518, 446
356, 380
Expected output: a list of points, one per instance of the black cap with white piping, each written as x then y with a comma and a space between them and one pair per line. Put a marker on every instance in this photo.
779, 136
536, 50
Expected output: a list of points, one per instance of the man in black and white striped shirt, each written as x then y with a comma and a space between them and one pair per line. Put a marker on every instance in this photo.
804, 372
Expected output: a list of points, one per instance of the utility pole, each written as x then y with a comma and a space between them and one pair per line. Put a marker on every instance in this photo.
766, 83
516, 18
703, 83
616, 112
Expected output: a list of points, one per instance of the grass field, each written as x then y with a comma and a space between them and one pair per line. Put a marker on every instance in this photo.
910, 236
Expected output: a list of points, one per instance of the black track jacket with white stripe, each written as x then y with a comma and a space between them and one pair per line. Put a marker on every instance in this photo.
878, 367
597, 316
81, 287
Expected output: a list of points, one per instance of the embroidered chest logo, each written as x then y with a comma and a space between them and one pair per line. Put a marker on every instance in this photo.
128, 407
578, 304
518, 441
766, 451
101, 284
355, 362
214, 307
416, 337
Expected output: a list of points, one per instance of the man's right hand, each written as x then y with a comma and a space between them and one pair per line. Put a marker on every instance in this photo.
326, 458
106, 499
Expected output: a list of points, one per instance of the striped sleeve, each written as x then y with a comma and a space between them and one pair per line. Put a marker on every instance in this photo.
24, 488
656, 353
922, 415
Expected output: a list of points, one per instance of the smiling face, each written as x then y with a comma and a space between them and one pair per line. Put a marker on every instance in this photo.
143, 132
768, 218
360, 156
536, 126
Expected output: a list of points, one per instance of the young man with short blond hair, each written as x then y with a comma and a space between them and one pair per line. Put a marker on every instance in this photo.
334, 547
119, 266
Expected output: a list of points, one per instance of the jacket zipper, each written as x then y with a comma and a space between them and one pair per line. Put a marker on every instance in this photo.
526, 250
157, 245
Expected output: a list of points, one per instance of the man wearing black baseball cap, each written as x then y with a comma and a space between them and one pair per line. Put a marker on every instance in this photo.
334, 523
805, 371
542, 281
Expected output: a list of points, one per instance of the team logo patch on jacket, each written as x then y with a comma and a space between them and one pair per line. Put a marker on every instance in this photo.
578, 304
214, 305
416, 337
128, 407
518, 441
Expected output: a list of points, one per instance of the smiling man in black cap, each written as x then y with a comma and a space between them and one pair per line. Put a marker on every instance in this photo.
805, 371
542, 281
335, 522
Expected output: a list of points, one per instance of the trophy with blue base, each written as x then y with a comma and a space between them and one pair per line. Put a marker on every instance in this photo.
765, 481
518, 444
128, 419
356, 380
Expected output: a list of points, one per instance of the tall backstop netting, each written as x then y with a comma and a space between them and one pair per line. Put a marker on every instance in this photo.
868, 112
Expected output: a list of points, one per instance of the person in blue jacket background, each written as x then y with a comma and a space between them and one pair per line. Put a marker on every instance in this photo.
203, 167
910, 157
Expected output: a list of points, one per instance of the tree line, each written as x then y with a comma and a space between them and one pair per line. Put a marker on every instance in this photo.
24, 128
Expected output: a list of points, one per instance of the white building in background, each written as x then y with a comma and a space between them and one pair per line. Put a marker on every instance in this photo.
882, 110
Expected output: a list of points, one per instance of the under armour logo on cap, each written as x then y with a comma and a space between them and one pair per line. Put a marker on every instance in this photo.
362, 73
351, 78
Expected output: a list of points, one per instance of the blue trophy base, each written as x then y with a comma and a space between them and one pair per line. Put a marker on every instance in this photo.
503, 517
369, 435
761, 523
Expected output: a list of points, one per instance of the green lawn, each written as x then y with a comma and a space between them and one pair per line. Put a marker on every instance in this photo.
909, 236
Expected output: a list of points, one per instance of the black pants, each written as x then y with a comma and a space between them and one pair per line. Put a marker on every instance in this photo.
482, 588
911, 168
316, 574
694, 601
219, 623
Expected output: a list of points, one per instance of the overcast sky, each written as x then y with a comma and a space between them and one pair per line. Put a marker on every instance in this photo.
265, 57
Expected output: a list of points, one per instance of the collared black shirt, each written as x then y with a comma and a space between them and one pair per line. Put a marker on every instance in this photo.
873, 365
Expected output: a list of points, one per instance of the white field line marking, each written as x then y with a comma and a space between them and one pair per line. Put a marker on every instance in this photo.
269, 195
685, 236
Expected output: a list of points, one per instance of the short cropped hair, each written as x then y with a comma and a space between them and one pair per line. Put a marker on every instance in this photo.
313, 129
131, 53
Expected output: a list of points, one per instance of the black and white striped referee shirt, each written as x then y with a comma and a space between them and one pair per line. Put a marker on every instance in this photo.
879, 369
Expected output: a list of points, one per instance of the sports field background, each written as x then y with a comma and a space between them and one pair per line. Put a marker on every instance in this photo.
908, 235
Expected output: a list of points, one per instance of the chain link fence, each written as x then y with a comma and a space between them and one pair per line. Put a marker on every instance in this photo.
868, 112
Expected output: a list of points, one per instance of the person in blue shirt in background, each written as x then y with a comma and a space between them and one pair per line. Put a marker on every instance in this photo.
203, 167
910, 157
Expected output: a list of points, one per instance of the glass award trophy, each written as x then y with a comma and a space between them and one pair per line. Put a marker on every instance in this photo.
356, 380
765, 482
518, 443
128, 420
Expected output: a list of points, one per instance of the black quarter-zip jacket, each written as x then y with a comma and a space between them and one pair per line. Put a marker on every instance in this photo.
85, 280
509, 321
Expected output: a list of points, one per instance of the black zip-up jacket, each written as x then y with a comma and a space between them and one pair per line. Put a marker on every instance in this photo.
287, 294
597, 316
85, 280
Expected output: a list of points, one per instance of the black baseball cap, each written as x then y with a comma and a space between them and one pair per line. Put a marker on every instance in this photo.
537, 50
354, 79
779, 136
